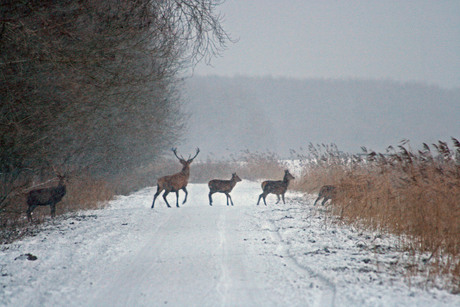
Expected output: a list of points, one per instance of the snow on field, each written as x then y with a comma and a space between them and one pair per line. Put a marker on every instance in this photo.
197, 255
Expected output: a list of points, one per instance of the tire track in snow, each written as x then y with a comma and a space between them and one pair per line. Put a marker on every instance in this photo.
129, 296
328, 293
225, 280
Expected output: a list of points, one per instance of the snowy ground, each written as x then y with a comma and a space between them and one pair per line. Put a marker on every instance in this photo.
246, 255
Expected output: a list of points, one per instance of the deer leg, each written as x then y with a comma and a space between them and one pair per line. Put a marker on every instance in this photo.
319, 197
156, 195
229, 197
259, 198
29, 212
282, 195
164, 197
325, 200
153, 203
53, 210
278, 196
186, 193
263, 195
177, 199
210, 198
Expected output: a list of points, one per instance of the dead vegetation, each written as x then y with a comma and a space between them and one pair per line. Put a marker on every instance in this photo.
84, 192
414, 194
93, 86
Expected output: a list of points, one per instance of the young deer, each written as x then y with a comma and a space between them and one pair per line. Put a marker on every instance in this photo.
176, 182
276, 187
326, 191
223, 186
46, 197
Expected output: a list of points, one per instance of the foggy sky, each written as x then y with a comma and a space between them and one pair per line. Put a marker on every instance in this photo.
396, 40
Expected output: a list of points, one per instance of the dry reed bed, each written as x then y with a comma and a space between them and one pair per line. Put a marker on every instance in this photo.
83, 193
415, 195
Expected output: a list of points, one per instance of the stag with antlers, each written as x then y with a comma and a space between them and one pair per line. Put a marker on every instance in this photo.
176, 182
46, 197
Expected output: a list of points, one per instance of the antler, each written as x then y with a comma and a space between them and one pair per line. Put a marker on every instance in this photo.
197, 152
57, 171
59, 174
174, 150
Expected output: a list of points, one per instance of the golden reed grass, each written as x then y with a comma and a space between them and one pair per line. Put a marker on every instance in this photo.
415, 195
83, 193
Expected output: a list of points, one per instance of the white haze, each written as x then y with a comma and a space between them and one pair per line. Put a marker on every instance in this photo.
397, 40
353, 73
228, 115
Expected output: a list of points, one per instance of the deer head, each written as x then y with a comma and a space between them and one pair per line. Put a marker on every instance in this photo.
235, 177
60, 175
288, 176
185, 163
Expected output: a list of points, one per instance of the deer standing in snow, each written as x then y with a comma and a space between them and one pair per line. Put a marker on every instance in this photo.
327, 192
46, 197
176, 182
223, 186
276, 187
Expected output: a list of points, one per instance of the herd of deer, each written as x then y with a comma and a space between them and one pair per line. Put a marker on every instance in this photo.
179, 181
175, 183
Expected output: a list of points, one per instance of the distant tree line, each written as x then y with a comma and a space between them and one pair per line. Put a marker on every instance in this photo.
93, 84
278, 114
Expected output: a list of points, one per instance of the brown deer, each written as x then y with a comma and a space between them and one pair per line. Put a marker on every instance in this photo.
276, 187
223, 186
327, 192
176, 182
46, 197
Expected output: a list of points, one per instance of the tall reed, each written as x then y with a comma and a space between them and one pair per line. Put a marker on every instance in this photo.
413, 194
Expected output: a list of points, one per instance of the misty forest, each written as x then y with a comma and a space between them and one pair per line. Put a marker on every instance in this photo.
99, 99
275, 114
94, 88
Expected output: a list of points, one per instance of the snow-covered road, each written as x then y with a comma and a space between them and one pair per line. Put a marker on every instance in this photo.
200, 256
246, 255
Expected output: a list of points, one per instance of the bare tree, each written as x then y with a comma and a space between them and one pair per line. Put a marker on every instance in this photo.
96, 83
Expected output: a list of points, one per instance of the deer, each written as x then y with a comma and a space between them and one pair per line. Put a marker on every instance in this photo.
276, 187
175, 182
223, 186
46, 197
327, 192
